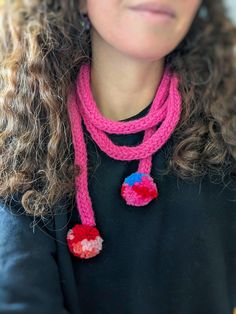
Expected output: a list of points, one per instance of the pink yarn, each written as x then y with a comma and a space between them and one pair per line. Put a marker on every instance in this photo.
165, 110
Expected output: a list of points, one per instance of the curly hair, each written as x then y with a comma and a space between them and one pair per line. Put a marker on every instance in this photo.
42, 48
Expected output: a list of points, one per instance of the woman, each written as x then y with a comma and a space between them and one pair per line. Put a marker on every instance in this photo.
126, 218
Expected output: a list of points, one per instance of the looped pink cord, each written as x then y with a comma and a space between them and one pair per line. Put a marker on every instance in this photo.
165, 109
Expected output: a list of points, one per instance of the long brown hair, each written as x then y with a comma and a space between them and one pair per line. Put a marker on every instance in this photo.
42, 48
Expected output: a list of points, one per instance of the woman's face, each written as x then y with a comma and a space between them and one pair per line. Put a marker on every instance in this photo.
136, 33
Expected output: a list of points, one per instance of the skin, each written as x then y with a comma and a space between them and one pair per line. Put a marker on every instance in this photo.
128, 52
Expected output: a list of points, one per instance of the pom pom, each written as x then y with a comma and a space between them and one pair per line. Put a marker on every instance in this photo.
84, 241
139, 189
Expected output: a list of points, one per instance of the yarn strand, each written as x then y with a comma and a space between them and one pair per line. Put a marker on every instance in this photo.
139, 188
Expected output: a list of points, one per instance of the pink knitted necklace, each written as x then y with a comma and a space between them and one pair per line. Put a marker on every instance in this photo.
138, 189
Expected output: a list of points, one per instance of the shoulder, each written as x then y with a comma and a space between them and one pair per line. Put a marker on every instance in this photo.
27, 259
220, 188
20, 230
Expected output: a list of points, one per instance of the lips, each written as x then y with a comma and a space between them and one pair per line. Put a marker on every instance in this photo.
154, 8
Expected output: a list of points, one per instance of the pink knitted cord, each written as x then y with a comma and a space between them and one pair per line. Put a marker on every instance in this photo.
165, 110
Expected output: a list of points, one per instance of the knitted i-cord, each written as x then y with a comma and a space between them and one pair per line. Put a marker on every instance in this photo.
138, 189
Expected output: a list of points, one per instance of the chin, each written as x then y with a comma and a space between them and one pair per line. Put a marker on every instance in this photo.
144, 53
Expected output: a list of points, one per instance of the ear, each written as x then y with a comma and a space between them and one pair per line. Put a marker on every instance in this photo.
83, 6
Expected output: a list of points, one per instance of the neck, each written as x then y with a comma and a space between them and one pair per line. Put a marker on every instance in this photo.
122, 86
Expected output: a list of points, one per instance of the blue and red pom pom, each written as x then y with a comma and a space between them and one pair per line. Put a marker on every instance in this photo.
84, 241
139, 189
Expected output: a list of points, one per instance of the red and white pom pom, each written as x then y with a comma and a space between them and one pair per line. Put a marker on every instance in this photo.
84, 241
138, 189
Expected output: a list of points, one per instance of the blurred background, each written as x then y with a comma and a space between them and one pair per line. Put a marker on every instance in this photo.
231, 5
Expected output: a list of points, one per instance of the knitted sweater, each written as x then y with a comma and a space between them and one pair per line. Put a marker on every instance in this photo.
176, 255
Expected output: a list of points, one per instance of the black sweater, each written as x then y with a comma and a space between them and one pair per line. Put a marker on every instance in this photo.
176, 255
